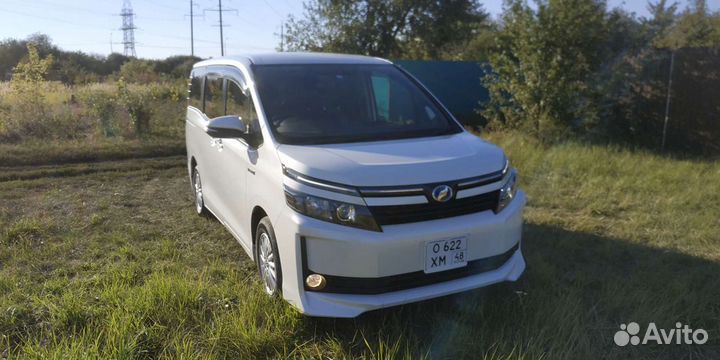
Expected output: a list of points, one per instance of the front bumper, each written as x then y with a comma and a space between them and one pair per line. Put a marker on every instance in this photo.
343, 305
338, 251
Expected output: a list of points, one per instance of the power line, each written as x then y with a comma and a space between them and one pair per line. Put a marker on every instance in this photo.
282, 36
48, 18
170, 47
67, 7
253, 47
161, 5
192, 27
206, 42
273, 8
220, 12
87, 26
292, 5
282, 24
158, 19
183, 38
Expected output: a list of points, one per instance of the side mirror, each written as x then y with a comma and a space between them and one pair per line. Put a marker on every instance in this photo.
227, 127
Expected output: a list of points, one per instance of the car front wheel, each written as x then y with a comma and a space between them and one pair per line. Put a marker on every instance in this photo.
198, 192
268, 258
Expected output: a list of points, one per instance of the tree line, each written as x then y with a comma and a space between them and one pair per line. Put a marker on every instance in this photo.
555, 68
76, 67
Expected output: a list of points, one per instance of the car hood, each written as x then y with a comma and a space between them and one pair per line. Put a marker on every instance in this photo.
396, 162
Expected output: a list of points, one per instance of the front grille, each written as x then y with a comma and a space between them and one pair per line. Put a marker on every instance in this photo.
368, 286
403, 214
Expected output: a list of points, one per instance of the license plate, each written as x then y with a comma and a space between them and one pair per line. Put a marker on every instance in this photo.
445, 254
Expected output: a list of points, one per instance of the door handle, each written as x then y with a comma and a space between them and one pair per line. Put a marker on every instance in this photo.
216, 143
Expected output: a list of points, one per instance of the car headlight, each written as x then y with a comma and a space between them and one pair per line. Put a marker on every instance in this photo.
333, 211
507, 191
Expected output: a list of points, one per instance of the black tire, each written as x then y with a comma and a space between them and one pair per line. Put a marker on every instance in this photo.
271, 284
196, 181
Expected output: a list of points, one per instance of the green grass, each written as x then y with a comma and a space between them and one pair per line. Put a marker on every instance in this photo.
49, 152
111, 262
28, 172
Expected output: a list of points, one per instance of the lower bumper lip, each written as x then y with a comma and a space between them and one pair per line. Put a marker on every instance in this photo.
349, 306
387, 284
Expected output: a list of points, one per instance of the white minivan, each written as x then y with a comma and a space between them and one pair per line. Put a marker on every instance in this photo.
348, 183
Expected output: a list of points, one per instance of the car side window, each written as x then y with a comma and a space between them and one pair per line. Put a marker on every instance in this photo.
214, 103
381, 90
240, 103
195, 90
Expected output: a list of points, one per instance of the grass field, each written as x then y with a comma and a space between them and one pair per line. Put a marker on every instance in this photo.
37, 152
108, 260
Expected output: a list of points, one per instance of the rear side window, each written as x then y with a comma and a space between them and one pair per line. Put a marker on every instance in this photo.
214, 102
195, 91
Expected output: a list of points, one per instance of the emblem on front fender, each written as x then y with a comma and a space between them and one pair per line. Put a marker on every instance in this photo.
442, 193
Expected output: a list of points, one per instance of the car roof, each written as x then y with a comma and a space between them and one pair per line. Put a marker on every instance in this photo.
286, 58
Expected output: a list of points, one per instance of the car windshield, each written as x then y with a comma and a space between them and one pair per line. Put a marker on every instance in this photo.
324, 104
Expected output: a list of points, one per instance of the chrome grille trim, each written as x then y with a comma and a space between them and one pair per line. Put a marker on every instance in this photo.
321, 184
396, 191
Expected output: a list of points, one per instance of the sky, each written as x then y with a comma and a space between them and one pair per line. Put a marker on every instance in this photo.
163, 26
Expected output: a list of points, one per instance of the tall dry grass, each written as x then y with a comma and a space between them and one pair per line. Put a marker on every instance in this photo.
57, 112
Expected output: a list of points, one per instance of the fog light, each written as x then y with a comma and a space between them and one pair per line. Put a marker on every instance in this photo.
315, 281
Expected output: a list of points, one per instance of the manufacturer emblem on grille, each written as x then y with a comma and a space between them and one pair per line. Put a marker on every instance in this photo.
442, 193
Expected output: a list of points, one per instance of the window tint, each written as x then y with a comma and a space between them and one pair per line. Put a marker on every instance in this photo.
240, 103
324, 104
195, 91
214, 103
403, 108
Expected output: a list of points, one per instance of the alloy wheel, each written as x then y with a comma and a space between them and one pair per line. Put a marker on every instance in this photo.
267, 264
197, 186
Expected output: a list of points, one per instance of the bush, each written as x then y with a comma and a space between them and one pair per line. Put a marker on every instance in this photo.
100, 103
137, 105
139, 71
26, 101
52, 116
